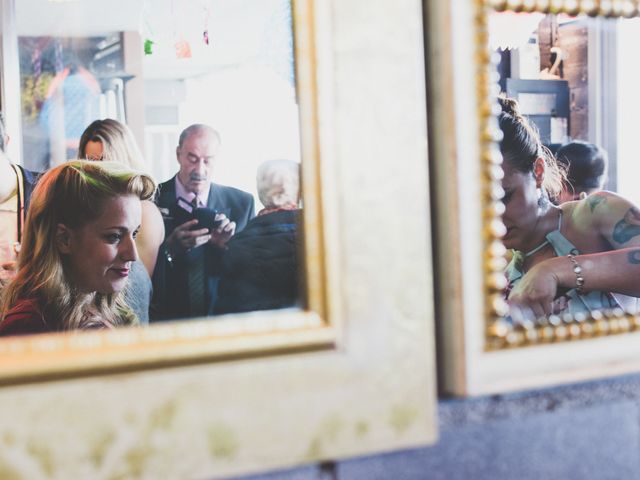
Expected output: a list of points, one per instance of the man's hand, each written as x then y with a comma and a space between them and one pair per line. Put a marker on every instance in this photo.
221, 235
183, 238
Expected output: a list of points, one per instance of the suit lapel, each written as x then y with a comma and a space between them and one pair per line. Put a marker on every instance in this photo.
167, 193
213, 201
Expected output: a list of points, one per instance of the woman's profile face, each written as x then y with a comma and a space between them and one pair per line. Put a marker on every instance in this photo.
94, 150
521, 208
101, 252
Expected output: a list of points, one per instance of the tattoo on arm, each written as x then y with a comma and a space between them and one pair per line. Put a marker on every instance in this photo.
634, 256
628, 227
594, 200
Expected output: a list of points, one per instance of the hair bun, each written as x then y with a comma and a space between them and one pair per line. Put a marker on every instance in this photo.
510, 106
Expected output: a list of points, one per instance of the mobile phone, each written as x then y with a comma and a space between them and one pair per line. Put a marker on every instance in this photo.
206, 218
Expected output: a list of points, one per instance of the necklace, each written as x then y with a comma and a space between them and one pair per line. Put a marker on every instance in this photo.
546, 241
519, 258
537, 249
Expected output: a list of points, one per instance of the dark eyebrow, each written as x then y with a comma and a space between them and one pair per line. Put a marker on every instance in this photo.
119, 228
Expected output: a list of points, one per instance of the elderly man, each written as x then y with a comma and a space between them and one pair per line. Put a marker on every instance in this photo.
16, 185
187, 276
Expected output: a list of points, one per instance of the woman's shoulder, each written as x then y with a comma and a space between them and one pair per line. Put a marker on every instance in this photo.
597, 206
25, 317
601, 217
152, 220
151, 235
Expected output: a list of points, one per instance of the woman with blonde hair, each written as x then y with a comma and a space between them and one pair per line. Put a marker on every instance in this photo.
77, 250
110, 140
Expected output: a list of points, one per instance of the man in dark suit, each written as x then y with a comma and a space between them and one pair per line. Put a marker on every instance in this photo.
187, 273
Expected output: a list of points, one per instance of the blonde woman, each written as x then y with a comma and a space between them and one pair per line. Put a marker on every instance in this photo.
110, 140
77, 250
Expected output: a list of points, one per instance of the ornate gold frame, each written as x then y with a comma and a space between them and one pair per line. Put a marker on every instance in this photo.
54, 356
499, 334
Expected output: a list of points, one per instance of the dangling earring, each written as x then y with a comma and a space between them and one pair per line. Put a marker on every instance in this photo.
543, 200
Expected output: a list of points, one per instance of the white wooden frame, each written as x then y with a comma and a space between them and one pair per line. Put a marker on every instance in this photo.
463, 166
353, 374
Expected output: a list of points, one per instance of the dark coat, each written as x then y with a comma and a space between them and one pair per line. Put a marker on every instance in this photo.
260, 267
30, 180
170, 277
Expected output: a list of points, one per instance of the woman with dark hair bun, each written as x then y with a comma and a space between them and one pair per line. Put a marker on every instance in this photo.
570, 258
586, 165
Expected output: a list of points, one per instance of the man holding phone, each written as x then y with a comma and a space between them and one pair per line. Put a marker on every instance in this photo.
188, 265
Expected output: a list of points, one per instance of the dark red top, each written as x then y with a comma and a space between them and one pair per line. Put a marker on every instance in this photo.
25, 318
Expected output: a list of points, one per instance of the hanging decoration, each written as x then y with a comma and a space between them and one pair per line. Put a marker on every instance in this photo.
183, 49
148, 46
182, 46
148, 34
205, 30
181, 23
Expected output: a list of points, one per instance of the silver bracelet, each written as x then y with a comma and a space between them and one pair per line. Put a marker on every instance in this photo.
577, 269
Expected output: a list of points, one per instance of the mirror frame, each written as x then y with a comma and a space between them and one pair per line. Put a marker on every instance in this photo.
62, 355
373, 391
477, 346
501, 334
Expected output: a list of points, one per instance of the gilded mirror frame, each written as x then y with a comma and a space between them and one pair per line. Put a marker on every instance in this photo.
478, 353
52, 356
501, 334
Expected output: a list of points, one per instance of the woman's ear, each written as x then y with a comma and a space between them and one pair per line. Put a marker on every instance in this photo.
539, 168
63, 238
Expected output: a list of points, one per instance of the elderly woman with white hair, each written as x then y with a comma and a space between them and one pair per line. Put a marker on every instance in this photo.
260, 265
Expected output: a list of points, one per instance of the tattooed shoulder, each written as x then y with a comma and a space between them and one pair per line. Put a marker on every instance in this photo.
594, 200
628, 227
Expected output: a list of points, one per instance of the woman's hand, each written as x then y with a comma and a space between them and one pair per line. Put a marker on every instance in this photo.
533, 296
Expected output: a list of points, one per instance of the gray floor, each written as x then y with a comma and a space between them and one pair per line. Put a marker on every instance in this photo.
588, 431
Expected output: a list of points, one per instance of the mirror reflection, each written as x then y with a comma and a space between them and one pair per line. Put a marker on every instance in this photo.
160, 170
568, 105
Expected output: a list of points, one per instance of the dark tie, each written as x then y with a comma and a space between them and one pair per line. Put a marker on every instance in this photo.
196, 276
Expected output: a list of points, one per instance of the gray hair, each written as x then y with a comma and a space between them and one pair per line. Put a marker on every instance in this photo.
279, 183
196, 129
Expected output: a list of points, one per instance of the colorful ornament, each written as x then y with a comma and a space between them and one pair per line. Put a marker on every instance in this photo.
183, 49
148, 46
